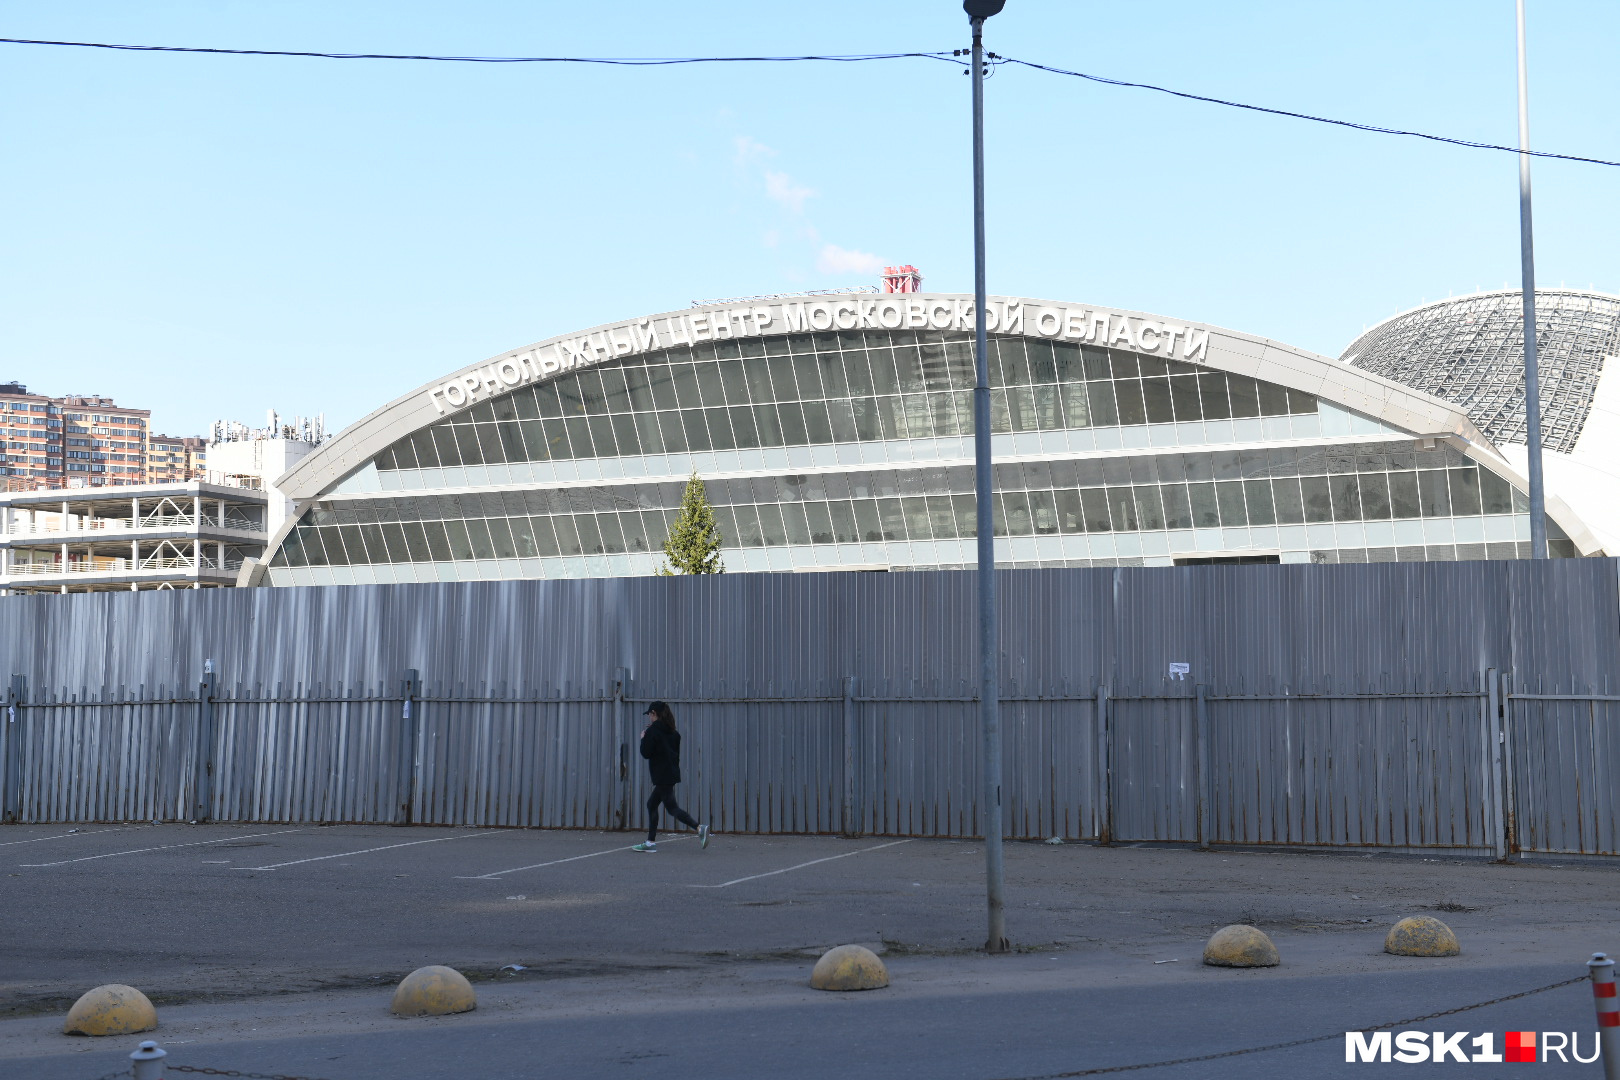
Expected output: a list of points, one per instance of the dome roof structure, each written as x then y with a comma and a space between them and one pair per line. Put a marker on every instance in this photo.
1470, 351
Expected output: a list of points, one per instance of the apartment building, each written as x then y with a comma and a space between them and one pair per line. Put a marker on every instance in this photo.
176, 458
69, 442
31, 430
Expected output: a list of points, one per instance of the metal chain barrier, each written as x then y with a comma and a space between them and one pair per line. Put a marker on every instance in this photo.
233, 1072
1299, 1042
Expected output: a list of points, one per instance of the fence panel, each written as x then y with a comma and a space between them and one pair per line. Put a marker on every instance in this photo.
1564, 744
1341, 705
105, 757
1386, 771
529, 760
1155, 767
305, 754
1566, 757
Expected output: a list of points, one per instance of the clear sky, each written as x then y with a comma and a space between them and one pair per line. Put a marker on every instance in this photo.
213, 236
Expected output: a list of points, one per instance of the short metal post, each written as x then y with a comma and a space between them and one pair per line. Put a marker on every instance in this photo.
1105, 769
148, 1061
410, 723
1496, 819
203, 780
851, 825
625, 724
11, 797
1601, 968
1201, 738
1510, 834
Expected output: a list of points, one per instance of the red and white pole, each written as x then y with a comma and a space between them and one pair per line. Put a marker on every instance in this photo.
1608, 1013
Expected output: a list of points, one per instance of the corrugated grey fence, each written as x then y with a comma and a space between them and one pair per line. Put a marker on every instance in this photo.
1438, 705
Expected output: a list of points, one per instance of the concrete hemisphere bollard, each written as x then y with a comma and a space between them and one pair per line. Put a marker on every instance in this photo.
1240, 946
1421, 935
113, 1009
849, 967
434, 990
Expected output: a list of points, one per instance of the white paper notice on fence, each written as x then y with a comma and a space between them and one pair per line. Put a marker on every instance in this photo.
1179, 670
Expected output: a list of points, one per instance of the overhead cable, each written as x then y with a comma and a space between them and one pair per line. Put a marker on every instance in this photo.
1299, 115
621, 61
949, 56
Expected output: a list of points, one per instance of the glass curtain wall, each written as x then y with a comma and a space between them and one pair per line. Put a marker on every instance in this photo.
803, 390
1330, 503
1277, 486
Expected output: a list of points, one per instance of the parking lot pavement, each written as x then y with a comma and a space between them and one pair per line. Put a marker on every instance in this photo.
214, 912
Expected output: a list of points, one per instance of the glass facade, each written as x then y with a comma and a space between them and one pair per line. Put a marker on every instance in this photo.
840, 398
1105, 457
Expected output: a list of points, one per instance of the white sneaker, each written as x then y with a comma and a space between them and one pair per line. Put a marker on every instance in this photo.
703, 836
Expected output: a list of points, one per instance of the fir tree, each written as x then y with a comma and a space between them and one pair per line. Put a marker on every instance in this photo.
693, 546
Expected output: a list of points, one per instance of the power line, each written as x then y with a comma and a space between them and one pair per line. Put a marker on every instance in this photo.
1299, 115
645, 61
951, 57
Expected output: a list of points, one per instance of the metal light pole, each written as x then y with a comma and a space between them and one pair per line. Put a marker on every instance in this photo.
989, 649
1532, 374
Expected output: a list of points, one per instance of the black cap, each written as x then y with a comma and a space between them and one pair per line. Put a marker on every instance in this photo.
656, 707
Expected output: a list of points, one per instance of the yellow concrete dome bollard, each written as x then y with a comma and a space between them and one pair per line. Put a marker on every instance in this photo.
849, 967
1240, 946
1421, 935
114, 1009
434, 991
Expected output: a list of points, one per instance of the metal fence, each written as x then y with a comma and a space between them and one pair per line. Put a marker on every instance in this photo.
1435, 705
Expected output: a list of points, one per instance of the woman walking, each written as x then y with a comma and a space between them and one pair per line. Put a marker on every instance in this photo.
661, 746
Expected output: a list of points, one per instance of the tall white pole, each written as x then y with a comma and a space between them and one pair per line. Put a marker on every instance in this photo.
1527, 262
989, 649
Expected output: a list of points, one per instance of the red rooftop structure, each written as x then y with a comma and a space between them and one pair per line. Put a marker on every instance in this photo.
897, 279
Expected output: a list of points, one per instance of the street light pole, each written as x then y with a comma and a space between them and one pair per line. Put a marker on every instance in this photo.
1527, 266
989, 649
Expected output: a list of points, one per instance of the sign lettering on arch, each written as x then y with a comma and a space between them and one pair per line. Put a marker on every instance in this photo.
856, 311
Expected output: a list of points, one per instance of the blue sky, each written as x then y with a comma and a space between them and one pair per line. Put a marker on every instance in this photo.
214, 236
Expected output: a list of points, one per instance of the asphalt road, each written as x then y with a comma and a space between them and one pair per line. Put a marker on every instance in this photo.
994, 1030
273, 949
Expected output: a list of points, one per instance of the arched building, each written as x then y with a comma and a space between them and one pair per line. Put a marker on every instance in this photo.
836, 432
1469, 350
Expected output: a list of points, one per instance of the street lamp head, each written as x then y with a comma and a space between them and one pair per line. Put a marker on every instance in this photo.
983, 9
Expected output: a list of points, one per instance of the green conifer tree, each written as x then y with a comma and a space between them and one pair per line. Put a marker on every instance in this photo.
693, 546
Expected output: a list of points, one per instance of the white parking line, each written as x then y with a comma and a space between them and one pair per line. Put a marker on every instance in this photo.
801, 866
366, 851
162, 847
554, 862
75, 832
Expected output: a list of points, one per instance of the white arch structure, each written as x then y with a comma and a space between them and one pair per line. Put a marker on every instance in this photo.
1423, 416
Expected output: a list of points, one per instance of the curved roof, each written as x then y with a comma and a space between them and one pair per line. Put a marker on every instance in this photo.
1470, 350
1355, 389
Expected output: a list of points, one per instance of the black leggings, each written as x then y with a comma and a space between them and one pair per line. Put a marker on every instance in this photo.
664, 796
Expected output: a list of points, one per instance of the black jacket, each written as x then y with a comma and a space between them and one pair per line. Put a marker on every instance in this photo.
661, 746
